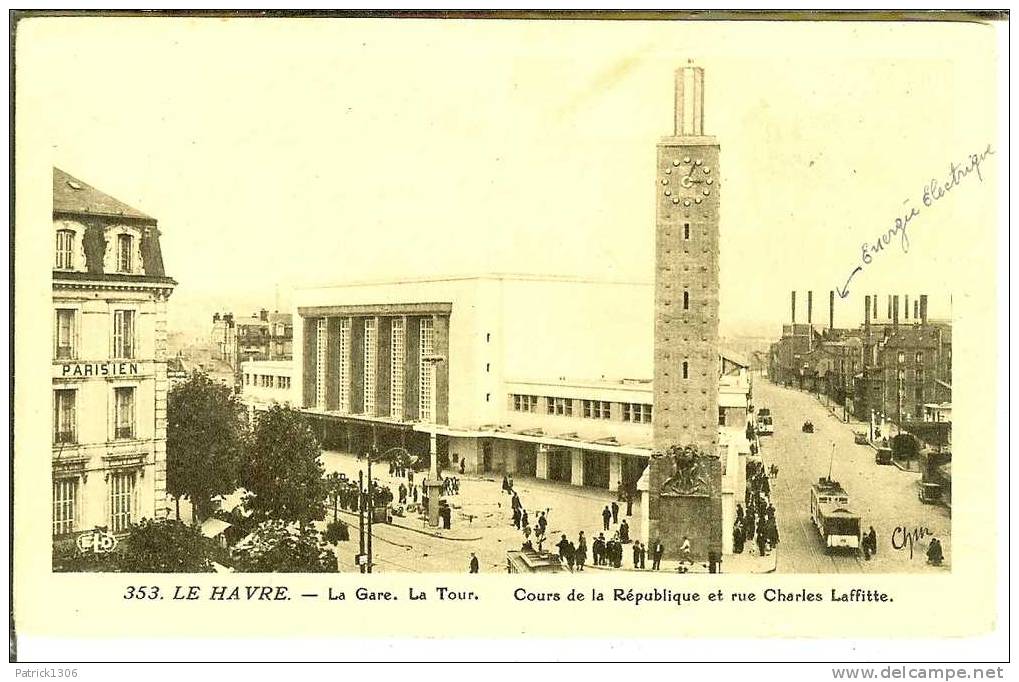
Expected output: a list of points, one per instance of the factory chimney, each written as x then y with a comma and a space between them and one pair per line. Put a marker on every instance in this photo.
895, 311
905, 308
916, 309
889, 308
794, 307
923, 308
689, 101
831, 309
810, 307
866, 315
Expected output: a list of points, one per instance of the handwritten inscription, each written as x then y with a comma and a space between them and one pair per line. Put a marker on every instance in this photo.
904, 538
933, 191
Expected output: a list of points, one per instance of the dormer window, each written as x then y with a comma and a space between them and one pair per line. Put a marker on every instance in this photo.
125, 253
65, 249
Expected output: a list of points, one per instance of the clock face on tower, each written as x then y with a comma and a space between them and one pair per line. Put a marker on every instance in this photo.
688, 180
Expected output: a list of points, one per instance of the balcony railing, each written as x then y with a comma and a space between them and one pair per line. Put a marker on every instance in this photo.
65, 437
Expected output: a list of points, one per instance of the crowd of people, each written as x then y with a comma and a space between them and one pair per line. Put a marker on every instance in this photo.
755, 519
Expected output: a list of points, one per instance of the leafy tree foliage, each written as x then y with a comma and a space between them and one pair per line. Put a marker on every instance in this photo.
160, 546
283, 472
280, 547
905, 446
205, 437
337, 531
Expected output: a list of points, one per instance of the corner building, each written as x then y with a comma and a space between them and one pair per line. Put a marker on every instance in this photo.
110, 294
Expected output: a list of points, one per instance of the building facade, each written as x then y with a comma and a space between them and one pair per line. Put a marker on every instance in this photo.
889, 367
265, 382
262, 336
531, 376
110, 294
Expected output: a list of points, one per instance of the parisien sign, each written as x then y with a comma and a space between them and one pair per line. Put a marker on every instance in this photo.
98, 369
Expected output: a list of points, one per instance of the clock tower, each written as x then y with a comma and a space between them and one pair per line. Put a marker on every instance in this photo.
684, 485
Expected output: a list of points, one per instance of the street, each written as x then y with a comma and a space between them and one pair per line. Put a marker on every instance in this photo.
884, 496
481, 522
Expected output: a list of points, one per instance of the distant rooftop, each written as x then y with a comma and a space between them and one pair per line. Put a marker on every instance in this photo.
71, 195
532, 277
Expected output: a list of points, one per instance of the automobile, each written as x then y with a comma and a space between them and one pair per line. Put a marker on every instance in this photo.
883, 456
929, 493
860, 438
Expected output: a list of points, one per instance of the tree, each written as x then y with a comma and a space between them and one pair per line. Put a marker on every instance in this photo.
160, 546
166, 546
281, 547
283, 472
334, 487
205, 436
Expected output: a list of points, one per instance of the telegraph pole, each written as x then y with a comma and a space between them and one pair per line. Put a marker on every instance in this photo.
372, 452
360, 513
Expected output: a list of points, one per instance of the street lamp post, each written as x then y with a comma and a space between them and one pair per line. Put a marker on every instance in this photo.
432, 485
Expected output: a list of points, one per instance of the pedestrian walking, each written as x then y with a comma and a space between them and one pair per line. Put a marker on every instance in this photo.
624, 532
561, 545
606, 516
872, 538
581, 553
474, 565
636, 554
516, 517
615, 513
643, 556
686, 551
598, 550
657, 552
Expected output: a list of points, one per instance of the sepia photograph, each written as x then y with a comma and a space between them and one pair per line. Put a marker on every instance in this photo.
617, 300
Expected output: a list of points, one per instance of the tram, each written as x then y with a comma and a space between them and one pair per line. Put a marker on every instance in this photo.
765, 426
838, 526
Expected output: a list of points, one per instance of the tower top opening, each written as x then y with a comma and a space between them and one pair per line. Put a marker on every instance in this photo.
689, 101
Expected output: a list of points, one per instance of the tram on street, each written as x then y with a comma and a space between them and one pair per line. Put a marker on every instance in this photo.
833, 517
765, 427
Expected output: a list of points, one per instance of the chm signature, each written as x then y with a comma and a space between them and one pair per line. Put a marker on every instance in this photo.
933, 191
905, 538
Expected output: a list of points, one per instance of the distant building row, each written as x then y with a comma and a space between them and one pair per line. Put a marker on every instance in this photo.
263, 336
897, 366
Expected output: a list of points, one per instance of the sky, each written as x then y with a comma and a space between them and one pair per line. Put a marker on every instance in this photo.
282, 154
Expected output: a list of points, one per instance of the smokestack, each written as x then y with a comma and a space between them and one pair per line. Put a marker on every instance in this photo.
831, 309
794, 307
916, 309
689, 101
810, 307
866, 314
923, 308
905, 308
889, 307
895, 310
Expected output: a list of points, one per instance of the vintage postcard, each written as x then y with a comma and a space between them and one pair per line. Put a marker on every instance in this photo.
352, 326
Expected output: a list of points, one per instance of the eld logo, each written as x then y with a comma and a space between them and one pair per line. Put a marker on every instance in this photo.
98, 541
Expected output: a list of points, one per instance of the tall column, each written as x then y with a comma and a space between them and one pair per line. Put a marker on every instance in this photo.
541, 463
576, 466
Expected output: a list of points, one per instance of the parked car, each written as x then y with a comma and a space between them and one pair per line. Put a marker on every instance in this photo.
883, 456
860, 438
